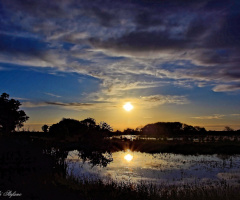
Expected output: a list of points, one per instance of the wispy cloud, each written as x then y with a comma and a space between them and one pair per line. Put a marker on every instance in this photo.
109, 102
226, 87
20, 98
53, 95
218, 116
215, 116
28, 104
69, 104
235, 115
168, 99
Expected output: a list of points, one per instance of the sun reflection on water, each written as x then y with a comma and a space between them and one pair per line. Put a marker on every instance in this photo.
128, 157
161, 168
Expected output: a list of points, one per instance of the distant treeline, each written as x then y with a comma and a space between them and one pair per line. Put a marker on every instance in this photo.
88, 127
80, 130
166, 129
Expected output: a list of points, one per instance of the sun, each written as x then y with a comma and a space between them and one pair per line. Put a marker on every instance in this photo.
128, 157
128, 106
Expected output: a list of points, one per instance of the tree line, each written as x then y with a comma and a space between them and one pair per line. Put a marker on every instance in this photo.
74, 128
164, 129
11, 118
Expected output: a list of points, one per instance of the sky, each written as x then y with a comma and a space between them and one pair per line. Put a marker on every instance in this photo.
174, 60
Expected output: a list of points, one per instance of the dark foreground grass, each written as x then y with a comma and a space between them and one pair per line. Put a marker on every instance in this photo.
59, 188
26, 169
99, 190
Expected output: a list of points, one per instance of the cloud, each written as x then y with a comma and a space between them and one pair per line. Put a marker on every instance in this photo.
28, 104
20, 98
215, 116
127, 45
150, 41
109, 102
53, 95
161, 99
226, 88
237, 115
71, 106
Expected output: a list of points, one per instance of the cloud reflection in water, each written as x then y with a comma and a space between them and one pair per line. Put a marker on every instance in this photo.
160, 168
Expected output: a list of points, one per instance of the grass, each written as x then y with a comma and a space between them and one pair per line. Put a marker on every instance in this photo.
24, 168
98, 190
182, 147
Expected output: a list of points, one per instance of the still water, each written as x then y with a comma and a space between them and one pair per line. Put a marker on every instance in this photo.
160, 168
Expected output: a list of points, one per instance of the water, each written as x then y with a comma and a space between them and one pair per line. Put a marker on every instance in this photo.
160, 168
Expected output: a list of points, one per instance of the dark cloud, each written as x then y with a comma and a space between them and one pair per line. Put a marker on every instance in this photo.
69, 104
204, 33
213, 57
146, 19
142, 41
104, 17
14, 45
197, 28
233, 73
41, 8
227, 35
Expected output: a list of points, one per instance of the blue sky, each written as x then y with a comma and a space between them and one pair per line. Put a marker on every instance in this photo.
174, 60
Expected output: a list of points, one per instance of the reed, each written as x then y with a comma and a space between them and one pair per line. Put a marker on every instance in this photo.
88, 188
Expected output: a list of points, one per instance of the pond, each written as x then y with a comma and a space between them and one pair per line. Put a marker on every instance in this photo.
158, 168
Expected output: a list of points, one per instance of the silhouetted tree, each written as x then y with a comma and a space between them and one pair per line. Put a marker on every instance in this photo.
200, 129
90, 123
117, 132
105, 127
188, 129
163, 128
138, 130
170, 129
227, 128
10, 115
85, 130
45, 128
73, 126
129, 131
58, 130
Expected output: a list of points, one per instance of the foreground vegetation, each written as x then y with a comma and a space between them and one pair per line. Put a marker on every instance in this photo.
88, 189
31, 167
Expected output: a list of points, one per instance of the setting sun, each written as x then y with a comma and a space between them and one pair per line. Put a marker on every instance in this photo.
128, 157
128, 106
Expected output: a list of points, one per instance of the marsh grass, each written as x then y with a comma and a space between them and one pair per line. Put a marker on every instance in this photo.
179, 147
24, 167
91, 189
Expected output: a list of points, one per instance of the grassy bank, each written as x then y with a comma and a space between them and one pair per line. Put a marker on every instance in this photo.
27, 169
211, 146
98, 190
182, 147
61, 188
